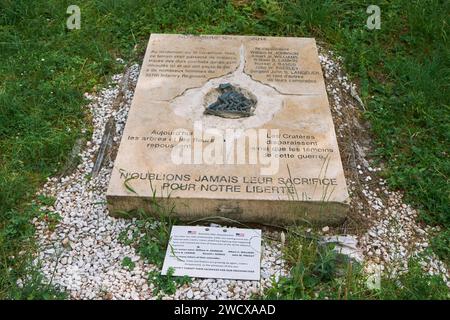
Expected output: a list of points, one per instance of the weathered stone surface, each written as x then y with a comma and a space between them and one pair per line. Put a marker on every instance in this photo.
171, 142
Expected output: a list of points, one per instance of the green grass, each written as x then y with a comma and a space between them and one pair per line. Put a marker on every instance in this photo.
166, 284
318, 272
402, 70
128, 264
414, 285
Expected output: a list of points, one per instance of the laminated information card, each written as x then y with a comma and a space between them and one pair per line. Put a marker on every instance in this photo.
210, 252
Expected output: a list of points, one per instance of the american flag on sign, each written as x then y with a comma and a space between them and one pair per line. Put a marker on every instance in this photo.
192, 232
239, 234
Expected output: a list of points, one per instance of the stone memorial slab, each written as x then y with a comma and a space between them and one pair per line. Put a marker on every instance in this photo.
234, 126
207, 252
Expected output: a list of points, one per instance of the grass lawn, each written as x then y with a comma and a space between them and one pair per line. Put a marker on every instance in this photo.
402, 71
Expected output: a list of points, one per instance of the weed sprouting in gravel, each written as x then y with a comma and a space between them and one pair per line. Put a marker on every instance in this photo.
128, 263
317, 271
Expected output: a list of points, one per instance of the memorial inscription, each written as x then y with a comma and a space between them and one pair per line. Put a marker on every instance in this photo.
233, 126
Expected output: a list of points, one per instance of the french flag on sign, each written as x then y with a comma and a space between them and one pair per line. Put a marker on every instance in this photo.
239, 234
192, 232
